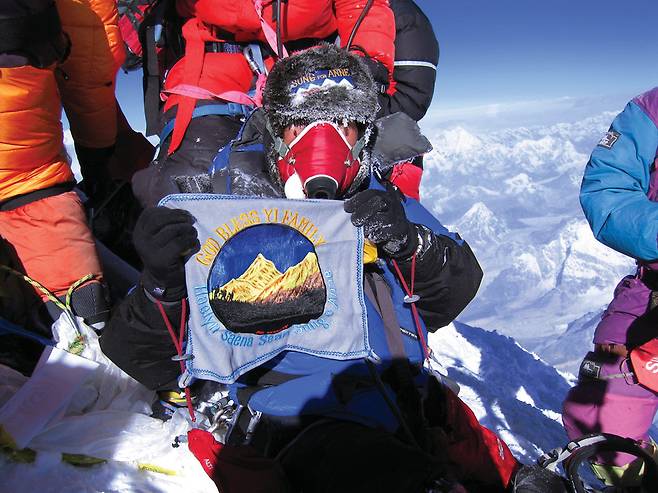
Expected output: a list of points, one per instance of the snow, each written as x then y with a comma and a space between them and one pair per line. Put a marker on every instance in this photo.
510, 390
523, 396
512, 194
102, 415
50, 475
70, 152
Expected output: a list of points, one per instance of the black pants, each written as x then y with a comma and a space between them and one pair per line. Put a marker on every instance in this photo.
203, 138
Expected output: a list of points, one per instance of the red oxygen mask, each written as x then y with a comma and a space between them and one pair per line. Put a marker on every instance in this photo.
320, 160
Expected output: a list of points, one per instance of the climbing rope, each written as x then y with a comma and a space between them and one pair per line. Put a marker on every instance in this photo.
77, 346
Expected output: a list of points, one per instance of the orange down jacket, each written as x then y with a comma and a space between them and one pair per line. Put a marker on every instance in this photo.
31, 148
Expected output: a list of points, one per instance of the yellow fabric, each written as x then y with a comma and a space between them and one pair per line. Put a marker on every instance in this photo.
172, 396
6, 440
626, 476
369, 252
82, 460
31, 152
87, 78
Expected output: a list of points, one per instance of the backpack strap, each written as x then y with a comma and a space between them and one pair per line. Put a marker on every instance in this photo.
150, 35
409, 413
273, 37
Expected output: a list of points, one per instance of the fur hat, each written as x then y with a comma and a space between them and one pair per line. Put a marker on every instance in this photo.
321, 83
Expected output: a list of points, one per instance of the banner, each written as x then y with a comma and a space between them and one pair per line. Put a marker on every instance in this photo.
271, 275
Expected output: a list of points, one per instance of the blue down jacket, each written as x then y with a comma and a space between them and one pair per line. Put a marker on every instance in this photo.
616, 183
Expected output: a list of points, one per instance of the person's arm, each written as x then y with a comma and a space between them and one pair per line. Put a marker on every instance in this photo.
376, 34
137, 339
447, 274
416, 60
447, 277
614, 189
87, 81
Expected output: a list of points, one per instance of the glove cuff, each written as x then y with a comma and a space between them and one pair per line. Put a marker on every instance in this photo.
161, 291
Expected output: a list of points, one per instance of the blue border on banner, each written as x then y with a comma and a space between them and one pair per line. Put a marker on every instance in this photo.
241, 370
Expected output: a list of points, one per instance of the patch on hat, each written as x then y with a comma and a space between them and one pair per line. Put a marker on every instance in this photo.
320, 80
609, 139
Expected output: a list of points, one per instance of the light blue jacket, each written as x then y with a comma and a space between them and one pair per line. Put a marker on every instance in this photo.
614, 190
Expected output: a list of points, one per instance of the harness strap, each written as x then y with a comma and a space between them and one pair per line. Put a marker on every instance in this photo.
270, 34
223, 109
379, 294
152, 83
43, 193
195, 38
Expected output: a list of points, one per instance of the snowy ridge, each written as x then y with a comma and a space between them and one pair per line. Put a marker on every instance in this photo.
512, 194
510, 390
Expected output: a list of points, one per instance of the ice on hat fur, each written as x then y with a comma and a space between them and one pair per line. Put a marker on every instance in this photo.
321, 83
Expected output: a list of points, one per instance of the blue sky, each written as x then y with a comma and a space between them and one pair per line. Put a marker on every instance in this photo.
526, 56
527, 53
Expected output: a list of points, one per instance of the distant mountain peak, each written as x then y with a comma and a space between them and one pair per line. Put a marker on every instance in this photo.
262, 280
481, 225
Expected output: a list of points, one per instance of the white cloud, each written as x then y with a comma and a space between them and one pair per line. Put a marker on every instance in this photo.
513, 114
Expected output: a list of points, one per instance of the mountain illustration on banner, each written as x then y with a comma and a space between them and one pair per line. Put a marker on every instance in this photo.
263, 299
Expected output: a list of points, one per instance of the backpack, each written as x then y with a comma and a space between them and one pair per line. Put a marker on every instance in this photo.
131, 17
577, 452
152, 34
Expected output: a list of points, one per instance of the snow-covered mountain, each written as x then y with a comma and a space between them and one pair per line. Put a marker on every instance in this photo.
513, 195
510, 390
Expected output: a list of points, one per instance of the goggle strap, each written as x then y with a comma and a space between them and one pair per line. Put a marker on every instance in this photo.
358, 147
280, 146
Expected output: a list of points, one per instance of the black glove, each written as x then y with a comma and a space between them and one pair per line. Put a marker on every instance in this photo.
384, 222
379, 73
164, 239
96, 180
